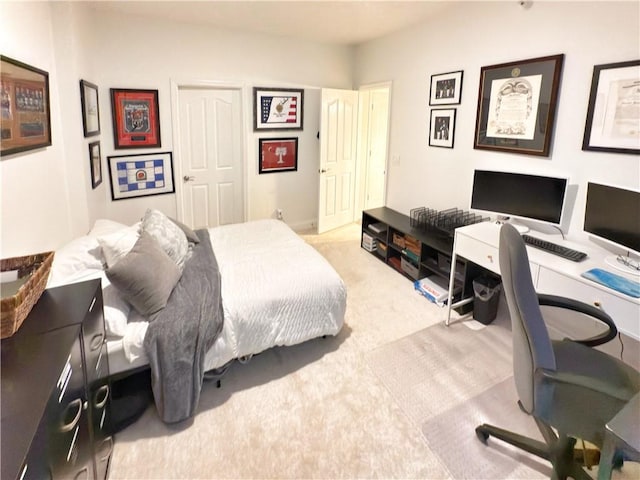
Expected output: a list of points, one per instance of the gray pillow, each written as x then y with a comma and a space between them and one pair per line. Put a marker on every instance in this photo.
188, 232
145, 276
168, 235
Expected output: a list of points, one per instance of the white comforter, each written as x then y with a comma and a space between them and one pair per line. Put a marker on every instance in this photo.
276, 290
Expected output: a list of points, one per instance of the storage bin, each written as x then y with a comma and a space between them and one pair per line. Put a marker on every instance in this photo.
398, 240
32, 272
409, 268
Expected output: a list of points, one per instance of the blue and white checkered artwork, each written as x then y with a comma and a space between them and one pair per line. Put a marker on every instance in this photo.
141, 175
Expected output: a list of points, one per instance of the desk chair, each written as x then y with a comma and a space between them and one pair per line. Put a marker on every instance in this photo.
570, 389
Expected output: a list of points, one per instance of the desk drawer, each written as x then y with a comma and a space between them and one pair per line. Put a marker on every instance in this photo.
478, 252
486, 255
623, 312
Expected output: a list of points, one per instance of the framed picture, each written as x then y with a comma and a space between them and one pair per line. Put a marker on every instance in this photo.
613, 122
446, 88
90, 108
278, 155
136, 120
25, 117
277, 109
442, 127
95, 164
141, 175
517, 105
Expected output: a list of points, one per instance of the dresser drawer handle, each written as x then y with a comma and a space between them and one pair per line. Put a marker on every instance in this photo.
96, 341
77, 403
106, 457
24, 471
103, 390
82, 474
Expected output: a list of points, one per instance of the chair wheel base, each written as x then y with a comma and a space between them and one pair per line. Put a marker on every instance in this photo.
482, 435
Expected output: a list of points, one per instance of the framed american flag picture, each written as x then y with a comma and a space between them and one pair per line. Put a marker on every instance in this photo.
277, 108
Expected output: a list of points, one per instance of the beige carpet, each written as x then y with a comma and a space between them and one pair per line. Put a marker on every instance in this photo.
365, 404
449, 380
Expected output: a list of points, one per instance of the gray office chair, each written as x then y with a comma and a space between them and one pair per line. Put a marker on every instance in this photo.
567, 387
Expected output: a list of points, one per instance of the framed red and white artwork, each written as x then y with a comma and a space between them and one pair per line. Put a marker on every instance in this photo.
278, 155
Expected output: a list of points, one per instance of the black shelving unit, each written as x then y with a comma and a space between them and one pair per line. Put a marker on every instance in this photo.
416, 253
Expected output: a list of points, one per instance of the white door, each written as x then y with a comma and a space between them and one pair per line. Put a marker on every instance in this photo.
376, 165
338, 136
210, 155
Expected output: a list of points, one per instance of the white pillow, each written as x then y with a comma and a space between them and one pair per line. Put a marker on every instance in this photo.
75, 261
169, 236
133, 341
102, 226
116, 309
116, 245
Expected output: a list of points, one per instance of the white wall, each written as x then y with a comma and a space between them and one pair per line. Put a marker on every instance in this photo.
35, 209
46, 195
148, 53
469, 35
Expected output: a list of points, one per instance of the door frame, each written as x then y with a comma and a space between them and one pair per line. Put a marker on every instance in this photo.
362, 163
176, 85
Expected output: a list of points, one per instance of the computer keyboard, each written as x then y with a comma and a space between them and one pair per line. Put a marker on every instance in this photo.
564, 252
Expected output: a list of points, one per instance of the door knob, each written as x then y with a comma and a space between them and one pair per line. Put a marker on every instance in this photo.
188, 178
323, 170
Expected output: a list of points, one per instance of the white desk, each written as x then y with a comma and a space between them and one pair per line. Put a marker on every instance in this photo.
551, 274
621, 432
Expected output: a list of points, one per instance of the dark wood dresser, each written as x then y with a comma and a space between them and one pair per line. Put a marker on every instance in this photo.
55, 389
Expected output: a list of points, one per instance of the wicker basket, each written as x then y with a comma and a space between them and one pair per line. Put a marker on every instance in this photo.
14, 309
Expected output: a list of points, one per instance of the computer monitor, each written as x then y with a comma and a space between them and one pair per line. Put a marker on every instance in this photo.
526, 196
612, 214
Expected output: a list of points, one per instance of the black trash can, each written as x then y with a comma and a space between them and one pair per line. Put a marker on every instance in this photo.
486, 295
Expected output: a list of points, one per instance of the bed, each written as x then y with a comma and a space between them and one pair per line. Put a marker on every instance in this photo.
275, 290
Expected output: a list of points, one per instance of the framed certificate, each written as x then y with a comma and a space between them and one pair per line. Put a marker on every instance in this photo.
613, 117
517, 105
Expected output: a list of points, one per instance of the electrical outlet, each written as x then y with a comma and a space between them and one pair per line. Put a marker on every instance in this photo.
279, 213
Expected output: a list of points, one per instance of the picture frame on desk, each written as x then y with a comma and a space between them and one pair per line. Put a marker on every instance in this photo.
612, 122
442, 127
517, 105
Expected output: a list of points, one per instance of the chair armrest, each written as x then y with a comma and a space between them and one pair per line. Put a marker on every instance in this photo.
586, 382
580, 307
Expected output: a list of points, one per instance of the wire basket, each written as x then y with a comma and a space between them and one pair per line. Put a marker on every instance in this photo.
423, 218
23, 293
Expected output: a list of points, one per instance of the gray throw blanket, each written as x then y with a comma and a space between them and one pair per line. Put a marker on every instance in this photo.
179, 336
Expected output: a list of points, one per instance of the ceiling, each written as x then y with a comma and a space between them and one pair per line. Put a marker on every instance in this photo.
346, 22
